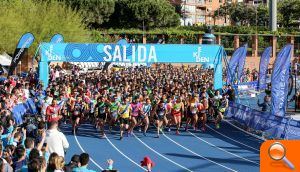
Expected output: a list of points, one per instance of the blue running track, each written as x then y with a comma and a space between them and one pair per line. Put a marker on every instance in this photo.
225, 149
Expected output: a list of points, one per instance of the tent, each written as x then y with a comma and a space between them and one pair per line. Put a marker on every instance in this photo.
5, 59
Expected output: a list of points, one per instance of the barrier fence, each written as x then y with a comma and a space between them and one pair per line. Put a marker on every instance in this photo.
271, 126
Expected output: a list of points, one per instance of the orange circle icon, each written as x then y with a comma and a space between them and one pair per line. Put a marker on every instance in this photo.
277, 151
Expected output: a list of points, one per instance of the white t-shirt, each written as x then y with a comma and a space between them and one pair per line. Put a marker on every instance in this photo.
57, 142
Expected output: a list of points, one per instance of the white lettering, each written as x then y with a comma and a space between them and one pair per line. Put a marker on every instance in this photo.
125, 55
108, 56
51, 56
117, 54
133, 54
142, 57
152, 54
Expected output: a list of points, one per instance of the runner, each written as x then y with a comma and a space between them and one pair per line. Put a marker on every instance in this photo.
124, 112
221, 109
144, 116
177, 111
160, 116
76, 109
136, 107
203, 110
192, 112
216, 106
113, 111
102, 115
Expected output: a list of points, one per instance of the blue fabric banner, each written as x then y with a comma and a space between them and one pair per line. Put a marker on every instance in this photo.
279, 81
263, 67
272, 126
24, 43
233, 63
242, 60
132, 53
57, 38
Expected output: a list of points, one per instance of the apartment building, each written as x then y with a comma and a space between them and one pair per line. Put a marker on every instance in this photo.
199, 12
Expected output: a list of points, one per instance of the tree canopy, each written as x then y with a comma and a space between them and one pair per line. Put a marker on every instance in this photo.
95, 12
43, 19
288, 12
243, 15
147, 13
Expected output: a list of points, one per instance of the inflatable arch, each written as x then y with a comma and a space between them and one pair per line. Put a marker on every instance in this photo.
207, 55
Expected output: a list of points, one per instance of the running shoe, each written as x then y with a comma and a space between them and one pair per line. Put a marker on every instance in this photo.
217, 126
140, 129
177, 132
110, 128
169, 129
121, 137
203, 129
144, 133
186, 128
157, 136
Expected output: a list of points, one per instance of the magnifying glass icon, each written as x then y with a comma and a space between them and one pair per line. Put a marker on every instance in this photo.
277, 152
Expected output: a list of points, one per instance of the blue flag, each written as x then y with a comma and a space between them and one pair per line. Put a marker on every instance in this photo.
263, 67
233, 63
22, 47
242, 60
57, 38
279, 81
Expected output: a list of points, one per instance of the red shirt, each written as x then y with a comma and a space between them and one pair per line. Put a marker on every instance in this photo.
52, 113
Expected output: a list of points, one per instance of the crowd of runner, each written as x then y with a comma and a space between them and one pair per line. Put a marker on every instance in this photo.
136, 98
126, 100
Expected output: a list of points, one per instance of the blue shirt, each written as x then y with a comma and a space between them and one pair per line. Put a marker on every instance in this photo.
82, 169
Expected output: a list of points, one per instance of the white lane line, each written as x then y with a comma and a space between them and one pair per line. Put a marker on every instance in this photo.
232, 139
186, 169
230, 169
253, 135
223, 149
84, 151
124, 154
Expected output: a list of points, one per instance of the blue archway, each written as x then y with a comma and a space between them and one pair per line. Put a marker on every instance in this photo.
139, 53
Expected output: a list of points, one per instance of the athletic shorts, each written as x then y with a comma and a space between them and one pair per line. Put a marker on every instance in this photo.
159, 117
74, 117
176, 114
102, 116
124, 120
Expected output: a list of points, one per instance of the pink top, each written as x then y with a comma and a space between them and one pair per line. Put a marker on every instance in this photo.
135, 109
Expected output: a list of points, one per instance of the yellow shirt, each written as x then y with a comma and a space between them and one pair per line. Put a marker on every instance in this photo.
122, 108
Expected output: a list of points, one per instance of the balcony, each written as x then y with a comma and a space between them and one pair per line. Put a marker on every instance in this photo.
197, 3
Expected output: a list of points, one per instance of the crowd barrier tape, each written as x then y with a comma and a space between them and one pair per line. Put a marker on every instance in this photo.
272, 126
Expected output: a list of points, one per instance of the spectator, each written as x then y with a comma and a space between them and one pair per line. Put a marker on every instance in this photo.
84, 160
20, 159
5, 167
59, 162
56, 140
266, 105
74, 163
231, 93
147, 162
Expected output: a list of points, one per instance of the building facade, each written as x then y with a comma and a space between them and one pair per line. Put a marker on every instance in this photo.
200, 12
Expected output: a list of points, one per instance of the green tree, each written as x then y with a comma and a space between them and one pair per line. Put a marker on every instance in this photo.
95, 12
262, 15
147, 13
43, 19
289, 11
